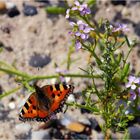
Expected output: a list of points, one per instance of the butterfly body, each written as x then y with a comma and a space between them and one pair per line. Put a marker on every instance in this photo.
45, 102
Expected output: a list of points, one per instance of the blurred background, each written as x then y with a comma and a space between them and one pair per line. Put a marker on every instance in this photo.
35, 40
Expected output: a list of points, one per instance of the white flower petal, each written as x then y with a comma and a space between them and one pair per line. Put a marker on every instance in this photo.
128, 85
133, 87
136, 80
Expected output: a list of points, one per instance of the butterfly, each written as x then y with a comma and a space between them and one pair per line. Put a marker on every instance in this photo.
45, 102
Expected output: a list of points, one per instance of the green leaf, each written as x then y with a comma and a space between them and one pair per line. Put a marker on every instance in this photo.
125, 71
55, 10
91, 3
118, 59
127, 41
130, 117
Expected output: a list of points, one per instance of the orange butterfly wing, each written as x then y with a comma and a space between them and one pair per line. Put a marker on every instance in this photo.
45, 102
58, 93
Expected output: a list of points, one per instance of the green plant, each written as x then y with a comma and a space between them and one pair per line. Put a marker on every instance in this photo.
102, 40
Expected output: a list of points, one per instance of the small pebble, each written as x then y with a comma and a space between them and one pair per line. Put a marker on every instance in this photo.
23, 128
12, 105
29, 10
71, 98
76, 127
83, 119
13, 12
2, 7
134, 132
40, 135
39, 60
66, 120
10, 5
72, 125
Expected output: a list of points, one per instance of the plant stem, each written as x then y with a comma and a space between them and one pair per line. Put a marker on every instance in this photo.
64, 75
15, 72
9, 92
38, 77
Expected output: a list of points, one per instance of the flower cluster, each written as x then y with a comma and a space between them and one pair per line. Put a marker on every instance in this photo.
134, 86
119, 28
81, 8
81, 32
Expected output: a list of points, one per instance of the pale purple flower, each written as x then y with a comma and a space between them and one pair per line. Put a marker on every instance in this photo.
72, 24
120, 27
132, 83
82, 8
60, 71
62, 79
67, 14
78, 45
132, 95
77, 6
83, 30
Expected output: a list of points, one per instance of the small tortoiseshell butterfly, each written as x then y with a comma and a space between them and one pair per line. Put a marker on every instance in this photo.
45, 102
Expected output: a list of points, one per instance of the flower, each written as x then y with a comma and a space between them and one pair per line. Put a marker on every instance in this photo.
82, 8
132, 95
127, 112
58, 70
81, 32
61, 72
132, 82
120, 27
78, 45
77, 6
67, 14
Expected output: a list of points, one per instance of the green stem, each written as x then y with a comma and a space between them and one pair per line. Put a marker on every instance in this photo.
95, 110
15, 72
9, 92
64, 75
30, 77
93, 53
127, 55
